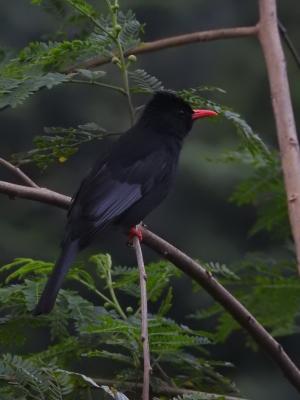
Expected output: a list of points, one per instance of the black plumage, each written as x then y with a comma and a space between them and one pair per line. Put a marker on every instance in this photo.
127, 184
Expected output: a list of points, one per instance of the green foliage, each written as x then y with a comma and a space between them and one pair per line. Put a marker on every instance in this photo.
201, 396
42, 64
14, 91
269, 289
220, 270
142, 82
263, 189
127, 280
131, 29
80, 330
49, 64
29, 380
77, 330
83, 7
59, 144
249, 140
31, 70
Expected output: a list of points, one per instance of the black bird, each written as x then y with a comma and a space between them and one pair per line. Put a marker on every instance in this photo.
126, 185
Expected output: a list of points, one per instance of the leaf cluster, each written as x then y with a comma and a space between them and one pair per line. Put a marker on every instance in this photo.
108, 332
59, 144
269, 288
49, 64
249, 140
42, 64
263, 189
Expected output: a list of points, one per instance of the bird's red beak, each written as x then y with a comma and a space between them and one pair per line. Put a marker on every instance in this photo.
203, 113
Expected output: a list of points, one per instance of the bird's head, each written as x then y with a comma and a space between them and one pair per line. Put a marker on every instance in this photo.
170, 114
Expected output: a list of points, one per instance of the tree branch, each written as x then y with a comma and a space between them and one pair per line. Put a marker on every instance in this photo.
190, 268
283, 112
165, 389
176, 41
229, 302
289, 43
37, 194
18, 173
144, 314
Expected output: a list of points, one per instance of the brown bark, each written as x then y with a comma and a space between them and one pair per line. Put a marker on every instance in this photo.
144, 315
283, 113
176, 41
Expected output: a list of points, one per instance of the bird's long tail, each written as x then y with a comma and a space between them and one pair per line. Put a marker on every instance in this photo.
48, 297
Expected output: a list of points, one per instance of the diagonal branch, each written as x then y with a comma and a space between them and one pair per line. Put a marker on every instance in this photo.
176, 41
205, 279
37, 194
18, 173
190, 268
283, 112
289, 42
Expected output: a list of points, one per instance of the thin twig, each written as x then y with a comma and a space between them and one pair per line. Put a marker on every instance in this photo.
122, 61
101, 295
101, 84
113, 295
164, 389
163, 374
93, 19
283, 112
18, 173
190, 268
289, 42
175, 41
144, 314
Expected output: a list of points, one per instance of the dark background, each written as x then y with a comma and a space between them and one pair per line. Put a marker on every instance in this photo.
197, 216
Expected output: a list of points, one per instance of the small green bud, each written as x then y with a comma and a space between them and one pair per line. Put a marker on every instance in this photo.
115, 8
115, 60
129, 310
118, 28
132, 58
106, 304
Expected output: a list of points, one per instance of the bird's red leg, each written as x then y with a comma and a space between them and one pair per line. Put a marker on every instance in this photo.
135, 231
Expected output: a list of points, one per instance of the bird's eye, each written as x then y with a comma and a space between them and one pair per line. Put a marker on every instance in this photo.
181, 113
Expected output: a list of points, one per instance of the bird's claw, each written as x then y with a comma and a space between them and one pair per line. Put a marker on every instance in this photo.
134, 232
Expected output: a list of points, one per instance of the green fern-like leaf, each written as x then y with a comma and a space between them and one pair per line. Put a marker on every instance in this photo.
33, 379
59, 144
142, 82
221, 270
22, 268
264, 189
83, 7
20, 90
166, 336
248, 138
269, 289
131, 30
127, 279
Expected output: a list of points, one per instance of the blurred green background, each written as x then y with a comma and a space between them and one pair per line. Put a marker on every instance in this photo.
197, 216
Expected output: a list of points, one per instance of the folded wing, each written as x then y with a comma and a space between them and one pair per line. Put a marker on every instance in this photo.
109, 191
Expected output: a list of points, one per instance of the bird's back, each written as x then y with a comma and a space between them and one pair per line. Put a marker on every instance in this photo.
125, 186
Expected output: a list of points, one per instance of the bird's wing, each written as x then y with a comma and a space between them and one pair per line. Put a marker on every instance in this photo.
110, 190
